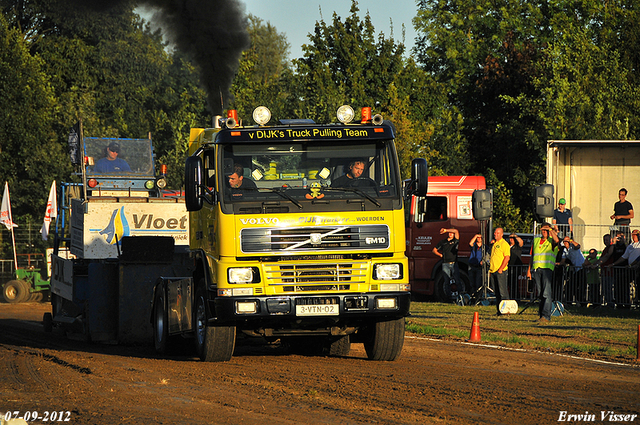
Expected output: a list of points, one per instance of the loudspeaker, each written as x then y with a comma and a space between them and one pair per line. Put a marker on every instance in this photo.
544, 200
482, 203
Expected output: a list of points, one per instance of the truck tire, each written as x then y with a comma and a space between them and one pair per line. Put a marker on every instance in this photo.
339, 347
16, 291
442, 289
161, 337
47, 322
385, 340
214, 343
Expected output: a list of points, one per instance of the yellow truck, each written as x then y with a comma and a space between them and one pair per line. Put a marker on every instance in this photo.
296, 233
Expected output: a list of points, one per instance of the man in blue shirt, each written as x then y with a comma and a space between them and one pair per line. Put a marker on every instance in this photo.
562, 219
111, 163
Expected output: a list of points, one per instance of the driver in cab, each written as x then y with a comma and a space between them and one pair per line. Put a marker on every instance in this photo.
354, 177
237, 182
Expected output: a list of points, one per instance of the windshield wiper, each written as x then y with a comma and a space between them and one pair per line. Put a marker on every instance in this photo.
356, 191
284, 195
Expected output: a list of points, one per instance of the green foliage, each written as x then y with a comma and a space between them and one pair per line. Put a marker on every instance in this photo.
585, 92
345, 63
30, 155
520, 73
505, 213
263, 73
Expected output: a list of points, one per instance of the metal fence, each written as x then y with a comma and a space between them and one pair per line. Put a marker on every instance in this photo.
25, 261
612, 286
590, 235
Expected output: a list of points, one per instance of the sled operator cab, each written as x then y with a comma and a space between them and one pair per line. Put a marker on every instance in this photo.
121, 167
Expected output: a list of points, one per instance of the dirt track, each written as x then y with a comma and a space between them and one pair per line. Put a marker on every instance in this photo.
432, 382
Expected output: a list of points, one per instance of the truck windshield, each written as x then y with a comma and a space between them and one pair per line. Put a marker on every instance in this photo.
118, 156
299, 173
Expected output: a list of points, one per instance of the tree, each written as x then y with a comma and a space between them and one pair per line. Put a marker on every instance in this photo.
30, 155
521, 73
345, 63
585, 93
261, 77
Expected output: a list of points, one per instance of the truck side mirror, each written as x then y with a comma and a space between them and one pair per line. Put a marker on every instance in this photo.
193, 183
482, 204
419, 177
544, 200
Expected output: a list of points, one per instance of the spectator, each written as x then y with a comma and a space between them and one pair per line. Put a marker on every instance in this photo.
543, 255
606, 258
515, 262
475, 263
574, 258
498, 265
622, 212
632, 257
447, 249
592, 271
562, 219
614, 248
515, 246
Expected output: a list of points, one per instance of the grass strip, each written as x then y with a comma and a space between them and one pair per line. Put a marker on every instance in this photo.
603, 333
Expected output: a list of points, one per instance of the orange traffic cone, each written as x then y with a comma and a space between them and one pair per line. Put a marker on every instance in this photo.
475, 328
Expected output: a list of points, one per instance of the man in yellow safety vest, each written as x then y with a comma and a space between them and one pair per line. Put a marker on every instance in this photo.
543, 258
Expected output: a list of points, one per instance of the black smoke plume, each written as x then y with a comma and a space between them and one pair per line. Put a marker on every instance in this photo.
212, 33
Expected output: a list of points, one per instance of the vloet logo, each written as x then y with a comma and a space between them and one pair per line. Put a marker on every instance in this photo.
148, 221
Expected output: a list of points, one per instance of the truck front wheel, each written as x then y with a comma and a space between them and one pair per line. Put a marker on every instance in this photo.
214, 343
385, 340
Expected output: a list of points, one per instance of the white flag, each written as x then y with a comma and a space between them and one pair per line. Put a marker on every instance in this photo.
5, 209
51, 212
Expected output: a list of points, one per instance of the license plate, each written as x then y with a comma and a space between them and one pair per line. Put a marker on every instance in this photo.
317, 310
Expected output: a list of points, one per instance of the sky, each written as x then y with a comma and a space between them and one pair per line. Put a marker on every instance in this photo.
297, 18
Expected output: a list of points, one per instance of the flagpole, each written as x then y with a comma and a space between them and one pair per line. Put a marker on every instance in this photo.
13, 236
13, 239
84, 165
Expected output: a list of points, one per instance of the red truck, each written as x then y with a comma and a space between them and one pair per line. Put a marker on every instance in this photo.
447, 204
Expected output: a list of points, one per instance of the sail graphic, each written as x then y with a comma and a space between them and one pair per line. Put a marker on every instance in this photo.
118, 226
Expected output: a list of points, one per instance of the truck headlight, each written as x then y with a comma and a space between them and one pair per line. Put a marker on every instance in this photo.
246, 307
387, 271
386, 303
240, 275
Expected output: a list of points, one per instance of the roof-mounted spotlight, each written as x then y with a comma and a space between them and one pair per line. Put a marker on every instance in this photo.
261, 115
345, 114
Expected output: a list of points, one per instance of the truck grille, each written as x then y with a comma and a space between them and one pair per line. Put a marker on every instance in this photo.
315, 277
298, 239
